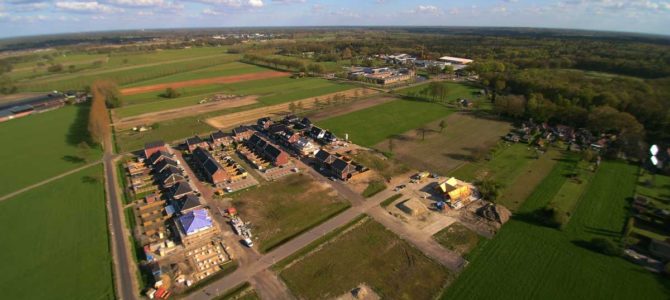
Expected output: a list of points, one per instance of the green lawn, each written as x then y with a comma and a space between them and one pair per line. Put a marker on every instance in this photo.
282, 209
505, 165
367, 254
528, 261
372, 125
40, 146
655, 187
55, 243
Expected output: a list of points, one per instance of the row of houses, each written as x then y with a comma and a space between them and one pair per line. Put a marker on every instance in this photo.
338, 166
215, 171
262, 153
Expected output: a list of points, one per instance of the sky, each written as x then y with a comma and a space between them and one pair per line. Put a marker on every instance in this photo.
31, 17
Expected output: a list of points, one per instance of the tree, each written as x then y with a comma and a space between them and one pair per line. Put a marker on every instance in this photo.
292, 107
98, 120
109, 91
422, 131
346, 53
171, 93
443, 125
488, 188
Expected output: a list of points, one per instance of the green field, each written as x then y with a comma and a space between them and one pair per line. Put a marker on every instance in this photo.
655, 187
123, 75
454, 91
367, 254
88, 63
38, 147
271, 91
55, 243
544, 263
282, 209
458, 238
227, 69
371, 125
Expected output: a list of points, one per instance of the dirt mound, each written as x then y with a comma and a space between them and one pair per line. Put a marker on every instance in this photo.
204, 81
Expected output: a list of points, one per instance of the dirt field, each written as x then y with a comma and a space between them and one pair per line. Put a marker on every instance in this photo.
150, 118
443, 152
345, 109
231, 120
197, 82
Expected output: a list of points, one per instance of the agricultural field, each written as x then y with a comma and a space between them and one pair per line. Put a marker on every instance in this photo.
55, 242
534, 258
227, 69
442, 150
458, 238
93, 62
370, 126
282, 209
123, 75
366, 254
270, 91
44, 145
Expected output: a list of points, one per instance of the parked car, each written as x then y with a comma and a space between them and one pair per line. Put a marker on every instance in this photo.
248, 242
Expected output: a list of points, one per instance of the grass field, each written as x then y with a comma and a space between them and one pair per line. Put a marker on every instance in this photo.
41, 146
442, 150
281, 209
366, 254
55, 243
271, 91
458, 238
370, 126
454, 91
545, 263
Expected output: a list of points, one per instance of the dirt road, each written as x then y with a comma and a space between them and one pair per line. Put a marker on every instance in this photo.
231, 120
204, 81
153, 117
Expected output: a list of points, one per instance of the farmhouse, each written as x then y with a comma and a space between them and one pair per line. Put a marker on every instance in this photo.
153, 147
242, 133
267, 151
220, 139
195, 142
211, 168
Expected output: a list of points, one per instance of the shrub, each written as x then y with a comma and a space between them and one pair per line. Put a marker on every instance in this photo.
605, 246
171, 93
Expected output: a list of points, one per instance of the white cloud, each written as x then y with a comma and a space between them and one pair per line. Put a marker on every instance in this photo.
233, 3
86, 7
427, 9
211, 12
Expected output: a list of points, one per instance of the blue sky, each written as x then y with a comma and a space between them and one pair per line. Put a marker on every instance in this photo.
29, 17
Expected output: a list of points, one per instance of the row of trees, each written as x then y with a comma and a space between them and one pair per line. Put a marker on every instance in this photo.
98, 120
286, 63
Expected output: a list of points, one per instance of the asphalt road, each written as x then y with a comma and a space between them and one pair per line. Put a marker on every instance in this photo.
124, 266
